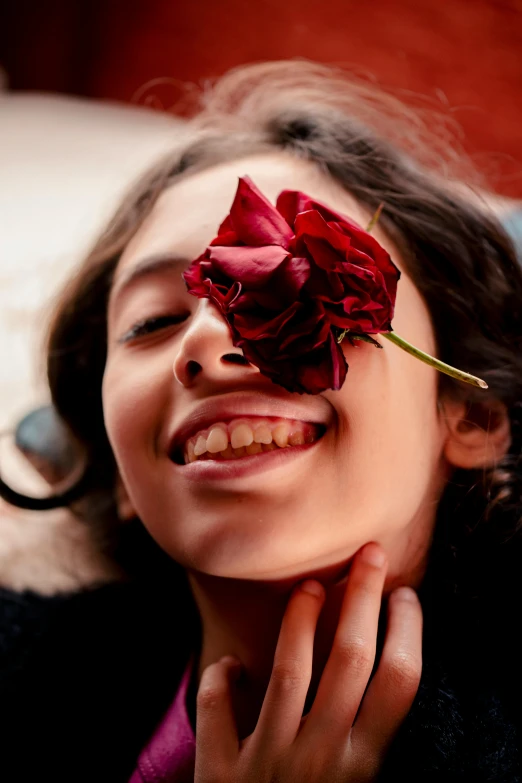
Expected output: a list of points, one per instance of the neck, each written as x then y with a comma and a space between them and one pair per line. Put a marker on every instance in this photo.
243, 617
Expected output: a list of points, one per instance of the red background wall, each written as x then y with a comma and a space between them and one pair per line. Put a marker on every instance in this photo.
466, 55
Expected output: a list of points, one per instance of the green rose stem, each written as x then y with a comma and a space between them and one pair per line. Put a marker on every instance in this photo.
424, 357
438, 365
375, 217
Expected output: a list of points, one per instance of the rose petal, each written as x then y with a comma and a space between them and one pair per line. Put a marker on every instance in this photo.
292, 276
309, 225
226, 234
291, 203
284, 278
253, 266
339, 363
255, 220
250, 330
329, 372
322, 369
363, 246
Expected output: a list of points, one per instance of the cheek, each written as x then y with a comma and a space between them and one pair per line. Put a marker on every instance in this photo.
412, 318
389, 435
129, 411
392, 421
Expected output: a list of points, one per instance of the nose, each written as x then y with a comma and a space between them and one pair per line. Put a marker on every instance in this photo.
206, 351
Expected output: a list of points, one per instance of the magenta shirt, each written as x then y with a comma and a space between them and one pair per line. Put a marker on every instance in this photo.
170, 755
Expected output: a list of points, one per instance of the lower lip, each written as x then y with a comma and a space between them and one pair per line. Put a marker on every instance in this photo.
211, 470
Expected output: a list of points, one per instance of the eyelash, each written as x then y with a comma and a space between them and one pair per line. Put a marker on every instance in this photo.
147, 325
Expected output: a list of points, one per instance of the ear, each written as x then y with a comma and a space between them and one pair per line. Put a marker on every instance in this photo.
478, 434
126, 510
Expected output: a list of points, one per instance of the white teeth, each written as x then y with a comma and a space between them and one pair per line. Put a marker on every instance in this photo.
296, 438
241, 435
191, 455
246, 437
263, 434
201, 446
217, 440
280, 435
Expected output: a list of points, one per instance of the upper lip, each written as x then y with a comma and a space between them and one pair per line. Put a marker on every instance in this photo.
249, 405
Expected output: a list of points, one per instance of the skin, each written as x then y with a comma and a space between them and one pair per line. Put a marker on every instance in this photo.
376, 475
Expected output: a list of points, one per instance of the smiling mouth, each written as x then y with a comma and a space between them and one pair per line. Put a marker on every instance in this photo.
244, 437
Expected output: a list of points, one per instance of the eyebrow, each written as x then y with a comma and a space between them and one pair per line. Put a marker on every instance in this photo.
160, 263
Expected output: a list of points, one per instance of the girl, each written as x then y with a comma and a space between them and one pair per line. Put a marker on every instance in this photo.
318, 586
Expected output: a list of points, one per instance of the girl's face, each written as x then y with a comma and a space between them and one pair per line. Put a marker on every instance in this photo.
375, 474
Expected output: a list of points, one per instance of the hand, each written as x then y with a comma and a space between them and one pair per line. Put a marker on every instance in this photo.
351, 724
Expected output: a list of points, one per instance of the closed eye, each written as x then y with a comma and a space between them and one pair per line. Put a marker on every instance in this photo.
148, 325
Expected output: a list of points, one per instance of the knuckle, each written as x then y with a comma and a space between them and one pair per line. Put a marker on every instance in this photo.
364, 582
360, 761
355, 653
288, 673
363, 760
369, 769
210, 691
402, 672
209, 697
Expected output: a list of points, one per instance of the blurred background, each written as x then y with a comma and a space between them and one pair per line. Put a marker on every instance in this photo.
465, 55
92, 91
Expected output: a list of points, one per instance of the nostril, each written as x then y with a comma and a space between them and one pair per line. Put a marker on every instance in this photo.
192, 368
235, 358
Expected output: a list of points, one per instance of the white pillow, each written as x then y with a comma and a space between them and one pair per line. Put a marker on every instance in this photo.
64, 164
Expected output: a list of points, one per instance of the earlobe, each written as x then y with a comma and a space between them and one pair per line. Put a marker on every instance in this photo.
478, 435
126, 509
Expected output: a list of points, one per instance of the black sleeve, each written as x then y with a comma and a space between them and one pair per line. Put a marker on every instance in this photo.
84, 680
24, 618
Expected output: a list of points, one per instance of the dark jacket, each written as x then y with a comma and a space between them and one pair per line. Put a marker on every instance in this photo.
85, 678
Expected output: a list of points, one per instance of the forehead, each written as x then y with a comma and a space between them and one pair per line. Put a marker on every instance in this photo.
187, 215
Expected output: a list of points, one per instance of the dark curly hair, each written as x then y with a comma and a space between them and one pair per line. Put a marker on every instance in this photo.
455, 250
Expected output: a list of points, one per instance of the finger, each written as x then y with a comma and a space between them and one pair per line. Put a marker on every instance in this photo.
217, 743
351, 659
394, 685
285, 698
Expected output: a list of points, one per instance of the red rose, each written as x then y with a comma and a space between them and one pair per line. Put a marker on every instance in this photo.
288, 279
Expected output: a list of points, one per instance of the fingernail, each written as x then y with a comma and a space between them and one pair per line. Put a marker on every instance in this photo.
313, 587
230, 660
405, 594
373, 555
